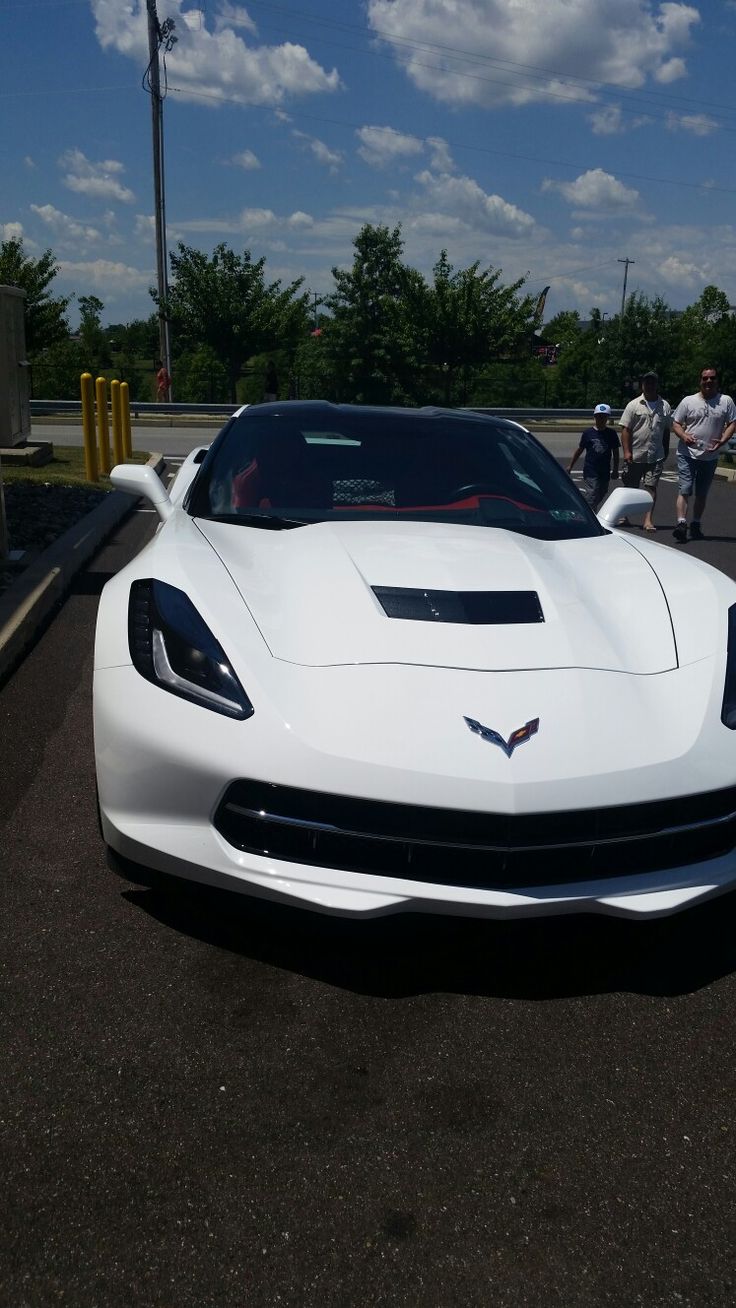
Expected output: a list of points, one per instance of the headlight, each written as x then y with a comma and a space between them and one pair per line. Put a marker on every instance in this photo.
728, 712
172, 646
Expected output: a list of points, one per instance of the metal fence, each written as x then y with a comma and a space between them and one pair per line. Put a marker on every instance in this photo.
72, 408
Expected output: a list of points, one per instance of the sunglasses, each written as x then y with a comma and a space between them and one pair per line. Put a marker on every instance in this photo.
708, 379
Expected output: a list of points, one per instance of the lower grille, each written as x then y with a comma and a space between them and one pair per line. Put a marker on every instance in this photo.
490, 851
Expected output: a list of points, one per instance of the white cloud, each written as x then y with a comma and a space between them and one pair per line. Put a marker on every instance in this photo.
671, 71
64, 226
300, 219
208, 66
99, 180
463, 198
104, 275
441, 160
231, 15
331, 159
680, 272
28, 161
245, 159
511, 47
250, 218
609, 121
380, 146
595, 189
696, 124
439, 225
11, 231
145, 227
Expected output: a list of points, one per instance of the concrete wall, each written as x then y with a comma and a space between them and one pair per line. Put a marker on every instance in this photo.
15, 410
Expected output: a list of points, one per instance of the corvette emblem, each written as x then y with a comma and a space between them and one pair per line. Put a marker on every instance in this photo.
517, 737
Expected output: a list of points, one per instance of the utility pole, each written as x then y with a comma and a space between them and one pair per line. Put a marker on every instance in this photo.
626, 277
159, 35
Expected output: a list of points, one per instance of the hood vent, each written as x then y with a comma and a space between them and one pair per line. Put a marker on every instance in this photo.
472, 607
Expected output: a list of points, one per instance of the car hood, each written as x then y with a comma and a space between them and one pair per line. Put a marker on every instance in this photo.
310, 591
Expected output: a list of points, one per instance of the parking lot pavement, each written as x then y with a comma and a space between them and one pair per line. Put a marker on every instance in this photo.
209, 1103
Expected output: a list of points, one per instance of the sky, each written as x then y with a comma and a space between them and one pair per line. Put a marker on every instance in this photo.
550, 140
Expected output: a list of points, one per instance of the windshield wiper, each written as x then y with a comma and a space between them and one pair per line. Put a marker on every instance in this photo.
271, 521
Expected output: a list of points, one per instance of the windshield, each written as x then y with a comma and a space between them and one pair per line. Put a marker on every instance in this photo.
288, 465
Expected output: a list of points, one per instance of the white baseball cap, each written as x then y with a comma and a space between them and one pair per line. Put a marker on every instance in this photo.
602, 408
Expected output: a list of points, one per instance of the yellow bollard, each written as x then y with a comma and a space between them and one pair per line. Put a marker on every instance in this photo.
103, 429
117, 422
86, 387
125, 410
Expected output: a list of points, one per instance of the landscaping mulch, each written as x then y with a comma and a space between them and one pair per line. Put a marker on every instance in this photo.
37, 514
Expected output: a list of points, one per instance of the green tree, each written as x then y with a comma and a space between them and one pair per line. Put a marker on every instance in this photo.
472, 320
375, 341
575, 377
313, 368
563, 330
56, 371
224, 302
200, 377
646, 337
94, 342
137, 339
606, 360
707, 334
46, 321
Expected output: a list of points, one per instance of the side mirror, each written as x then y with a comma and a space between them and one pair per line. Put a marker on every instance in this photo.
139, 479
621, 503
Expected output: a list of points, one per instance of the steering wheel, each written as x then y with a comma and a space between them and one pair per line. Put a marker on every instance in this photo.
475, 488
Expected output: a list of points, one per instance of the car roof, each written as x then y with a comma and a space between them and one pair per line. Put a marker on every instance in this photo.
313, 407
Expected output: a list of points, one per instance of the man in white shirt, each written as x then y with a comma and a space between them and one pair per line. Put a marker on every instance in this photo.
704, 423
645, 437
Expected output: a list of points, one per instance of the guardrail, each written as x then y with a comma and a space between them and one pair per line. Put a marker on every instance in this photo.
542, 415
43, 408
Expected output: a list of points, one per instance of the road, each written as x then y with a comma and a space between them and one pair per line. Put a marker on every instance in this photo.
210, 1103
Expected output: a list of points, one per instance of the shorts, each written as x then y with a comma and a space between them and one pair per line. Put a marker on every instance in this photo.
594, 490
642, 474
694, 473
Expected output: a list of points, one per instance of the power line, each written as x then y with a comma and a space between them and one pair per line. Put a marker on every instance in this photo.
455, 145
515, 68
527, 70
548, 93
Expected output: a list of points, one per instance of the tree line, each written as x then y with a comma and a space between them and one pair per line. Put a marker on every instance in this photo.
384, 335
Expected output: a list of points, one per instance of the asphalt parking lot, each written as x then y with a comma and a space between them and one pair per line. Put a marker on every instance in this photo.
206, 1101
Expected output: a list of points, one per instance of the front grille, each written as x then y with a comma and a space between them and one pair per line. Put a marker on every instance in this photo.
481, 850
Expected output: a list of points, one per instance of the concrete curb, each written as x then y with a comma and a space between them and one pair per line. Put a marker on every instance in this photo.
31, 599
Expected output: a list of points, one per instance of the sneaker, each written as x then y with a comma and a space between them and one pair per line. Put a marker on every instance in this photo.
695, 532
680, 532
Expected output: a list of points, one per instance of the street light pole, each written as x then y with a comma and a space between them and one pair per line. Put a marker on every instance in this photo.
157, 36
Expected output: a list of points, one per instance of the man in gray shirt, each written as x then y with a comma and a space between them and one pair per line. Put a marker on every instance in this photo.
645, 437
704, 423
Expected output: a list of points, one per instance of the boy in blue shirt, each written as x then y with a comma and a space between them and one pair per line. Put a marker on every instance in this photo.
600, 445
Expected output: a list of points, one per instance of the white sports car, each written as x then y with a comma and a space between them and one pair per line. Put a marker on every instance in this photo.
387, 659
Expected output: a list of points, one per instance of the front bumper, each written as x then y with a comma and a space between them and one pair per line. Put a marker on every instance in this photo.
165, 767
